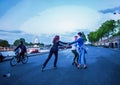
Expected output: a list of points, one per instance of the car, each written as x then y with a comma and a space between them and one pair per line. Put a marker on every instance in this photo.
33, 50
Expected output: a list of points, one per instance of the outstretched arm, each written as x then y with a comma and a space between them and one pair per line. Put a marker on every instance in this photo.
62, 43
78, 40
17, 47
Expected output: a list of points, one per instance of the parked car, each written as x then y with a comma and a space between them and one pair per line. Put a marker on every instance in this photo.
33, 50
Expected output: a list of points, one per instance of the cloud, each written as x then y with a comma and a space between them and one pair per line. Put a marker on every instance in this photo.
62, 19
12, 35
11, 31
45, 23
111, 10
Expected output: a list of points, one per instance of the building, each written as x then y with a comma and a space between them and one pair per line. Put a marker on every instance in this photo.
112, 42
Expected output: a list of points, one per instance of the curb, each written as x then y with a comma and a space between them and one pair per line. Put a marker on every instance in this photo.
7, 58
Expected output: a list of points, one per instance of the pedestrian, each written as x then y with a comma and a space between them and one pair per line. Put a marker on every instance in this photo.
21, 49
81, 50
74, 51
54, 50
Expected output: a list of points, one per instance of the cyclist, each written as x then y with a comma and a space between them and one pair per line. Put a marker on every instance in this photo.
22, 52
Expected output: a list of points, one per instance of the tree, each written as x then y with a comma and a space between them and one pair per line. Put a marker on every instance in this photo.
4, 43
92, 36
110, 25
118, 27
41, 44
18, 41
105, 30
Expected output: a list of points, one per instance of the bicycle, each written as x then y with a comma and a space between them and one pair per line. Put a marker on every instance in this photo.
16, 58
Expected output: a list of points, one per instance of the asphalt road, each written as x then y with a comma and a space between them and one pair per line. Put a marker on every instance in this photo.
103, 69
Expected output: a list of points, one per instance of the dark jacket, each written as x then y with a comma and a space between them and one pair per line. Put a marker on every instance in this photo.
22, 47
56, 45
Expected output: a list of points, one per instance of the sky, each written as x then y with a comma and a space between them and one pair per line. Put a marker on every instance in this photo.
43, 19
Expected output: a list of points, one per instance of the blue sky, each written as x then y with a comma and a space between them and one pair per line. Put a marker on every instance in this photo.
46, 18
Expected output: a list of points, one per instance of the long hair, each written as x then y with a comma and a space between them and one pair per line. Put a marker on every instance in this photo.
75, 37
80, 33
56, 39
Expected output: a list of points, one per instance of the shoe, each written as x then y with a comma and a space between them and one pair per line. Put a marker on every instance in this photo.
55, 67
85, 67
73, 63
42, 69
78, 66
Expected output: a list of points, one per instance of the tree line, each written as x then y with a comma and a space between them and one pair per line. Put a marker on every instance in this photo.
108, 29
5, 43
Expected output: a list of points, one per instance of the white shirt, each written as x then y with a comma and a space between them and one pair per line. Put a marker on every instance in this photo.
74, 46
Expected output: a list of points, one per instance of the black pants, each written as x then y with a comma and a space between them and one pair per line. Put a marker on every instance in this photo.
75, 56
22, 54
49, 56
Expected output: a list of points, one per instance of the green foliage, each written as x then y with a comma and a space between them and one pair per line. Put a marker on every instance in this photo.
30, 43
93, 37
26, 43
4, 43
105, 30
118, 27
18, 41
41, 44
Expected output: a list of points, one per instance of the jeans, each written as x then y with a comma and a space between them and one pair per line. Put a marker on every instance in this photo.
75, 59
49, 57
81, 56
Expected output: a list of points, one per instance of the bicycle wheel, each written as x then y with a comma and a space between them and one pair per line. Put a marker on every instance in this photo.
13, 61
25, 59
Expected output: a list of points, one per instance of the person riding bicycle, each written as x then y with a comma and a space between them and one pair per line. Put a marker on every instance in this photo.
23, 50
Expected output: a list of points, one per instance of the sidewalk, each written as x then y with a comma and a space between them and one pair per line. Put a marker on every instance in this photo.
29, 55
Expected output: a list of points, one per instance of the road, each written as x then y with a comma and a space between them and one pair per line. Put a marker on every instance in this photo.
103, 69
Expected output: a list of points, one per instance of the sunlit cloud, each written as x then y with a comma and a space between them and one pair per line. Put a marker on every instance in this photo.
45, 19
62, 19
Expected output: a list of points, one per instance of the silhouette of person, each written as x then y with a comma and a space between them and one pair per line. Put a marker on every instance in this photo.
74, 51
81, 50
53, 50
22, 48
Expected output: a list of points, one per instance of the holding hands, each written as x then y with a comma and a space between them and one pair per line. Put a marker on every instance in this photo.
67, 45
